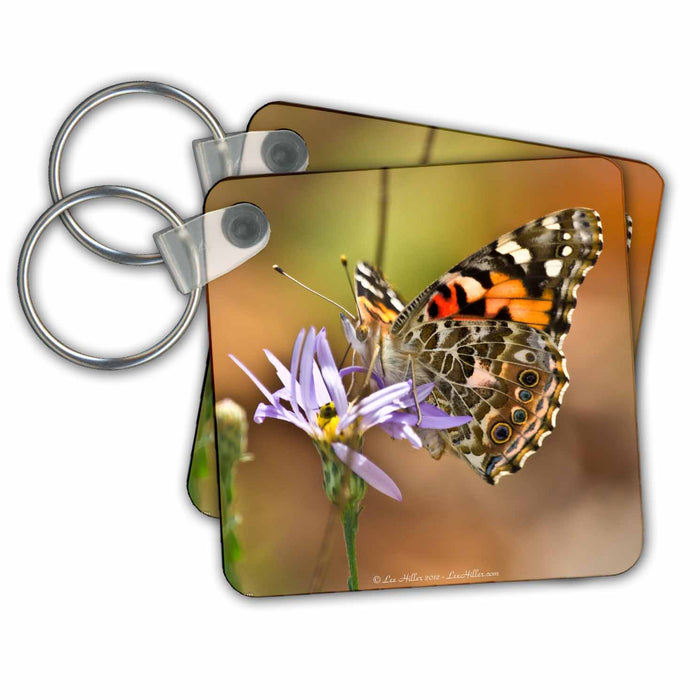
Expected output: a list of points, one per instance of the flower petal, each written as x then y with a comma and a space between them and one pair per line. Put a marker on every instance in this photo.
322, 395
296, 356
402, 418
434, 418
282, 372
306, 376
330, 374
386, 414
424, 390
422, 393
367, 470
264, 391
376, 401
357, 368
264, 411
402, 431
283, 394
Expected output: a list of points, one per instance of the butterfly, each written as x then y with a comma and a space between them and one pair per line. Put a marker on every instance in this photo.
488, 333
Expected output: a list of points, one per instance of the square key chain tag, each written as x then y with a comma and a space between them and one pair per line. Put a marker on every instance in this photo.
501, 365
222, 155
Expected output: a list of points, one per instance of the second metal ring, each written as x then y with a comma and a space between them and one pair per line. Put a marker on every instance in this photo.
30, 311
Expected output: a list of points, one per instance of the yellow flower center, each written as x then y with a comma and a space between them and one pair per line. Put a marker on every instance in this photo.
328, 420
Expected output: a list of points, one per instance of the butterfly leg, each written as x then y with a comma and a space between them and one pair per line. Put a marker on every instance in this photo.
415, 396
346, 353
368, 377
352, 376
370, 369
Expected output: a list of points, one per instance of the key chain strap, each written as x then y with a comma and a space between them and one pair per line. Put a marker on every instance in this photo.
143, 87
220, 156
195, 250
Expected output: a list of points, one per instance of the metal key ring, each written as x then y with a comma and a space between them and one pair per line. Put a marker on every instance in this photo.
108, 93
28, 305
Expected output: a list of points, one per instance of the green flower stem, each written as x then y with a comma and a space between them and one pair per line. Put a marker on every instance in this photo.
345, 490
350, 516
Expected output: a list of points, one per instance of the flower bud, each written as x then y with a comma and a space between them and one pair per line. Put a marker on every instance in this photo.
232, 432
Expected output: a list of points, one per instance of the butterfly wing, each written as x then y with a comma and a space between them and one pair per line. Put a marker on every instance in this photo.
377, 300
630, 226
489, 334
509, 377
529, 275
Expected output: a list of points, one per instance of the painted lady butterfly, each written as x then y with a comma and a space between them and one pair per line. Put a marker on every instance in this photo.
489, 334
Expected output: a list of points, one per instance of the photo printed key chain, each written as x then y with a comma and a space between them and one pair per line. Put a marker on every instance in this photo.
302, 209
451, 445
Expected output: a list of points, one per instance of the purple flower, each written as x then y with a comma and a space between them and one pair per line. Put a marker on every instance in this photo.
314, 398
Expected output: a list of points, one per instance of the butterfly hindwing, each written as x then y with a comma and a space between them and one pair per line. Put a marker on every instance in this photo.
508, 377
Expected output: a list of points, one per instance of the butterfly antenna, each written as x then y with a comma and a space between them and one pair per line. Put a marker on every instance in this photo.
344, 263
277, 268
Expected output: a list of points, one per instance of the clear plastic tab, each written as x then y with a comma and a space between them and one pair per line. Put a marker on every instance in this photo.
213, 244
249, 153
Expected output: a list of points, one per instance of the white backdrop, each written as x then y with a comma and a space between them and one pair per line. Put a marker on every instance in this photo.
111, 583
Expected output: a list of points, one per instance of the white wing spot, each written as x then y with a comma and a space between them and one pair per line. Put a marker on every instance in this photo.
554, 416
566, 251
508, 247
522, 356
370, 287
553, 267
521, 256
542, 437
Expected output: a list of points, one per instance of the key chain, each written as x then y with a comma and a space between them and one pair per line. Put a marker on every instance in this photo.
472, 372
499, 300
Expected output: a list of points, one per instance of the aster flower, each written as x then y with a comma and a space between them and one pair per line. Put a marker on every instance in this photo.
315, 400
319, 405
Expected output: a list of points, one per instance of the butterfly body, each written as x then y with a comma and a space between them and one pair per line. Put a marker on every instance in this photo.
488, 334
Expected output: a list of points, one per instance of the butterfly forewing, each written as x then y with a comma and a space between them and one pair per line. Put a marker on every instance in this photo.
375, 295
530, 275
